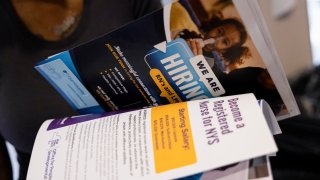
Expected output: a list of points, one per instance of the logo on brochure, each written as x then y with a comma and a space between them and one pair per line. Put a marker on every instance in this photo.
54, 141
179, 74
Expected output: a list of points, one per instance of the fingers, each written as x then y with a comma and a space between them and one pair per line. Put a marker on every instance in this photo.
195, 46
199, 47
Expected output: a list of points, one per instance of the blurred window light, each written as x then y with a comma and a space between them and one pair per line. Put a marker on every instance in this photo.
314, 26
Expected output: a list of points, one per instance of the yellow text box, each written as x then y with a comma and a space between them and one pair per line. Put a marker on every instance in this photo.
172, 139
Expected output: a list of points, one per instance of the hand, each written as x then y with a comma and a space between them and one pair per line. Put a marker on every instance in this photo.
195, 46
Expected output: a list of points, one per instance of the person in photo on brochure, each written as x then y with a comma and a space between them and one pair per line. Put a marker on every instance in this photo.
219, 40
222, 40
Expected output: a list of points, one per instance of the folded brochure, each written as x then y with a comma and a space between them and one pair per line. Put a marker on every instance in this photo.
164, 142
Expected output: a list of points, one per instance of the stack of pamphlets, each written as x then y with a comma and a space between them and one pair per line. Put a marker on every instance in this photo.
211, 60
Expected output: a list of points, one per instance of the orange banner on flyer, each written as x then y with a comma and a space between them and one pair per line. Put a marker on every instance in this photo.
172, 138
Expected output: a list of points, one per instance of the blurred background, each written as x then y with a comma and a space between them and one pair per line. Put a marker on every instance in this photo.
292, 23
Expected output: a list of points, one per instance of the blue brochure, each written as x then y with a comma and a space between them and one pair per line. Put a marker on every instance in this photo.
168, 56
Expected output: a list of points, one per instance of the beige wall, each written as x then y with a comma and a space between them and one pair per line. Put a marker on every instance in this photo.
291, 37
